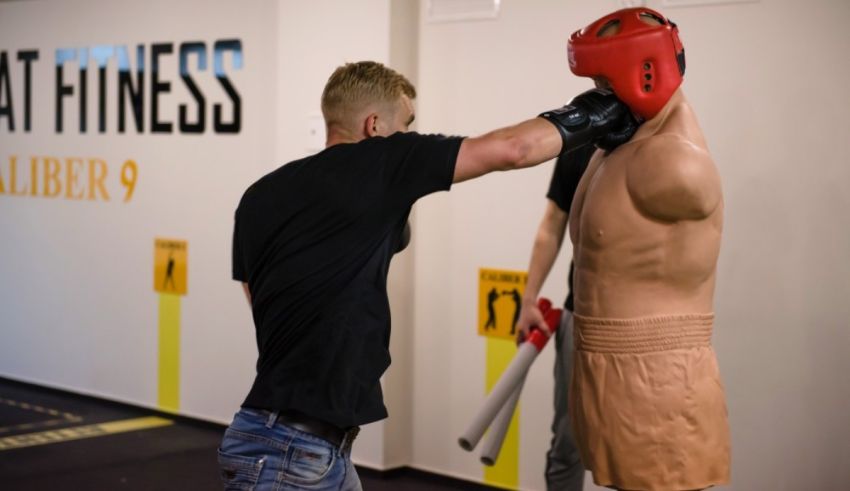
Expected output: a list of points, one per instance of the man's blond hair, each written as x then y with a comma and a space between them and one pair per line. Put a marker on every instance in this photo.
354, 86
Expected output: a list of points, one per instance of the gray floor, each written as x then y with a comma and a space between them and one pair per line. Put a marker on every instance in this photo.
180, 456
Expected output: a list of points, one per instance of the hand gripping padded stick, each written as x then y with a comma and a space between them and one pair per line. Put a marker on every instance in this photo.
499, 427
511, 378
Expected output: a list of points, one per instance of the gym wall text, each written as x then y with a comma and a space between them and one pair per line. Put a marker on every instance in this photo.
69, 178
138, 75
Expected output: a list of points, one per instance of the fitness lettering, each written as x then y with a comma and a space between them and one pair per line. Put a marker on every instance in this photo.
136, 86
69, 178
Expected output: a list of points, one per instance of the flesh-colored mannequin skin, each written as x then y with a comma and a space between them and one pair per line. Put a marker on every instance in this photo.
646, 222
646, 400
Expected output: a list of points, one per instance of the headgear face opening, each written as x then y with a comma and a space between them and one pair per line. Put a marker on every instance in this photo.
642, 60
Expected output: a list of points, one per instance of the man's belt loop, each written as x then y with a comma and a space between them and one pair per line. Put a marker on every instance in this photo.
348, 439
272, 419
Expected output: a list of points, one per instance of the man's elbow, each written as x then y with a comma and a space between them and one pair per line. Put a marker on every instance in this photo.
495, 151
516, 153
548, 240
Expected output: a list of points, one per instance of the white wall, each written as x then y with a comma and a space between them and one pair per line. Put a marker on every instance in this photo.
783, 329
79, 310
768, 81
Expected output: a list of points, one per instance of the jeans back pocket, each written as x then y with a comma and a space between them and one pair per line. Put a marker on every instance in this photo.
309, 463
239, 473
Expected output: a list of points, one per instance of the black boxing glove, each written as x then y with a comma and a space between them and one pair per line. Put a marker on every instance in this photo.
587, 118
620, 134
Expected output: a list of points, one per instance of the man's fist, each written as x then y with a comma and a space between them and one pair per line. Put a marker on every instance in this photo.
589, 117
530, 316
620, 134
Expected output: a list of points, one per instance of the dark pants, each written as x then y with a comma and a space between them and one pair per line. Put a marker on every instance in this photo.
564, 470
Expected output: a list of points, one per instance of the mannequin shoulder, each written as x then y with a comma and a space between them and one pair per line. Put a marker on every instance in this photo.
673, 178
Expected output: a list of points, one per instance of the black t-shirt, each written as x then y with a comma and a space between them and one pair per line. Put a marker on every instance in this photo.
313, 240
562, 188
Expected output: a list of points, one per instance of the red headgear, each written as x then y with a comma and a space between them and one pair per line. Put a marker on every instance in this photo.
644, 63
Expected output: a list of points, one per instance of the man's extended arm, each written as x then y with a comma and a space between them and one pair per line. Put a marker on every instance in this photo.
526, 144
586, 120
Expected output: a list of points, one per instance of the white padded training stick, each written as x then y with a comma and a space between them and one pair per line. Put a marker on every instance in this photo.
499, 428
511, 377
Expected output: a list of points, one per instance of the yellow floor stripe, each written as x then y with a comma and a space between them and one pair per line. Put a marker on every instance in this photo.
505, 474
40, 424
80, 432
169, 352
67, 417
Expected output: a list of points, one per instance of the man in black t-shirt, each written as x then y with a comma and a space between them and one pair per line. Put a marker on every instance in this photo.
564, 469
312, 245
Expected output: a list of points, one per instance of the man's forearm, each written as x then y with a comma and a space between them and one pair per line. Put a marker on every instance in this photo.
586, 120
540, 143
523, 145
546, 247
547, 244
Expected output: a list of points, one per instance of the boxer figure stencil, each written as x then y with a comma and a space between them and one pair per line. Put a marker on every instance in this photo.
646, 400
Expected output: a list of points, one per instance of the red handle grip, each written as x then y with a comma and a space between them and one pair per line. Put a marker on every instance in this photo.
553, 320
544, 304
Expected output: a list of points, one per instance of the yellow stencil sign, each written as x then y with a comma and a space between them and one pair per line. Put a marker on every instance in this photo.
170, 262
499, 301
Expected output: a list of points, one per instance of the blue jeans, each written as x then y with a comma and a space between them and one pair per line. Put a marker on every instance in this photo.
260, 454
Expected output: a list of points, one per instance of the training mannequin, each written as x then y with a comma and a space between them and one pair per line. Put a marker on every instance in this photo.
646, 400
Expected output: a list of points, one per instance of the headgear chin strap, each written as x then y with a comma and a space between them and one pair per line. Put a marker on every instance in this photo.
644, 63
